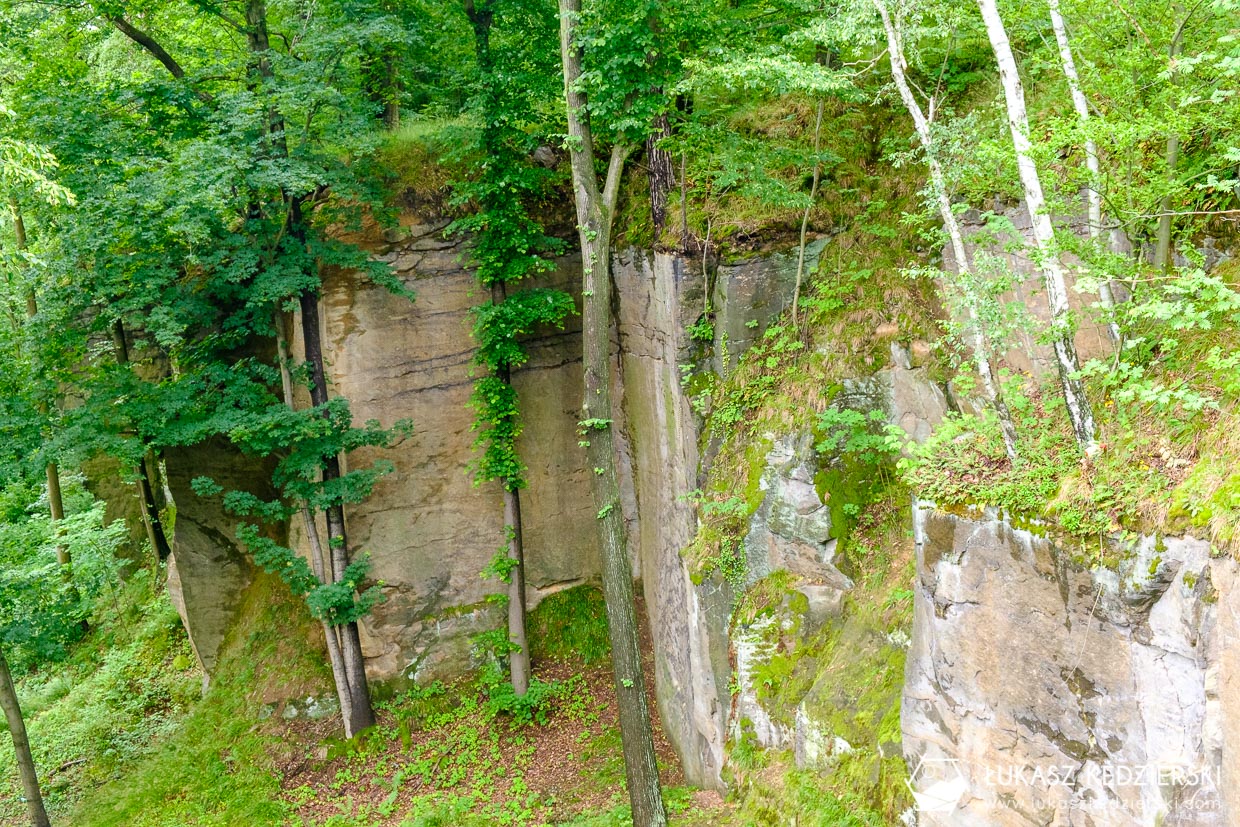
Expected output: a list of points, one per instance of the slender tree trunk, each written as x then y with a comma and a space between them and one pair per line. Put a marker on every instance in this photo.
813, 194
56, 506
55, 502
481, 18
318, 561
21, 746
1079, 411
684, 204
1081, 105
146, 492
519, 657
595, 212
362, 713
660, 174
1162, 246
938, 183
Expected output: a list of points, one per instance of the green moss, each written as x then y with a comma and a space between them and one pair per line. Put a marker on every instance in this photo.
799, 797
570, 625
217, 768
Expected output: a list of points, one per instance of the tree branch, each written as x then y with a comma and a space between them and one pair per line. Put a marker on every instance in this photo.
152, 47
615, 171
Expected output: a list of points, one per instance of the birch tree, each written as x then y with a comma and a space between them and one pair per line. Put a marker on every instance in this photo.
938, 185
1094, 195
595, 213
1079, 411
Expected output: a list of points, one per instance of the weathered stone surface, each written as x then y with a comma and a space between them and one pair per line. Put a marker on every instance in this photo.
791, 530
429, 529
749, 294
122, 501
658, 298
209, 569
1038, 692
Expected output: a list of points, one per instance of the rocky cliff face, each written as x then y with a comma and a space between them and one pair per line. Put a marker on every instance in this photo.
1022, 662
1039, 691
430, 530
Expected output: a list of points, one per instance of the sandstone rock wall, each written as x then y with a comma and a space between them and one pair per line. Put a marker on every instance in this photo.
1042, 692
659, 296
428, 528
209, 569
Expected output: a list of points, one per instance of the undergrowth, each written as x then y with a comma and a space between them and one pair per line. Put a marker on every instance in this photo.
128, 684
215, 768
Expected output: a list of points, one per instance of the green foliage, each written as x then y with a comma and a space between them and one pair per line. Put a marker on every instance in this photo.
964, 461
570, 625
498, 329
41, 611
532, 707
1178, 327
212, 765
847, 432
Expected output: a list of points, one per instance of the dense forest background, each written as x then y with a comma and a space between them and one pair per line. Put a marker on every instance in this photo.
180, 177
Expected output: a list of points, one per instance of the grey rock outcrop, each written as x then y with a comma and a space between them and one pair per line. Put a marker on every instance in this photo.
1039, 691
659, 297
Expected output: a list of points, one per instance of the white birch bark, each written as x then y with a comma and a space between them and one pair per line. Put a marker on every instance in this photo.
1081, 105
938, 183
1079, 411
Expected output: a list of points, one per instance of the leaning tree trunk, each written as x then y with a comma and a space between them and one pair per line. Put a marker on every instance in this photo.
1079, 411
361, 712
318, 560
146, 491
21, 746
595, 211
1081, 105
938, 183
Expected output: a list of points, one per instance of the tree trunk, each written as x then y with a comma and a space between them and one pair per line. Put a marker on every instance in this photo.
1162, 247
363, 715
813, 193
56, 506
146, 492
21, 746
55, 502
660, 174
318, 560
519, 658
595, 211
981, 350
1079, 411
1081, 105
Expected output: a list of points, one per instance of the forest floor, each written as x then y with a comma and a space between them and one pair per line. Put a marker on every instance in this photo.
439, 755
123, 739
